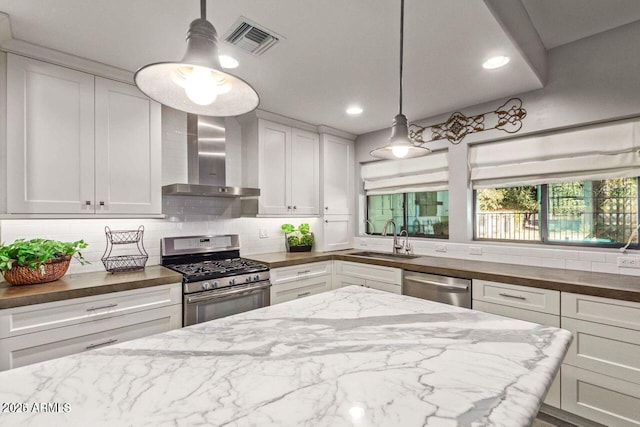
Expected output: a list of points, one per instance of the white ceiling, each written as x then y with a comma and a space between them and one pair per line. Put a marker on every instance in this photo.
335, 52
563, 21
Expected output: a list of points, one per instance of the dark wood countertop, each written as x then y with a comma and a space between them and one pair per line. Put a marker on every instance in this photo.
84, 285
605, 285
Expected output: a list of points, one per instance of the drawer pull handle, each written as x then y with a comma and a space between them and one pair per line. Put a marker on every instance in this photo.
111, 341
304, 294
101, 307
512, 296
304, 272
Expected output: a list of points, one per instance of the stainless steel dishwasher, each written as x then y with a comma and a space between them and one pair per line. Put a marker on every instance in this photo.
444, 289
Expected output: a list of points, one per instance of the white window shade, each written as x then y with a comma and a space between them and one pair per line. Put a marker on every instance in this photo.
429, 173
590, 153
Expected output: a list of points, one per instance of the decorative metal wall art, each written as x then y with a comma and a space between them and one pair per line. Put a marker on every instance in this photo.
508, 117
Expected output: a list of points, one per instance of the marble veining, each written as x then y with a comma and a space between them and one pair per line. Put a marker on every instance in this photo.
349, 357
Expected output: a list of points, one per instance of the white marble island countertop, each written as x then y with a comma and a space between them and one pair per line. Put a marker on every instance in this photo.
353, 356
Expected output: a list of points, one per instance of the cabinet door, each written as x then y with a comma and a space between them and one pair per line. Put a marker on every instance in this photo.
342, 281
337, 175
305, 172
274, 142
300, 289
128, 147
384, 286
338, 232
597, 397
50, 138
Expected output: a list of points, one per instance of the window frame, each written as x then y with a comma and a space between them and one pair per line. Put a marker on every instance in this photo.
405, 218
544, 225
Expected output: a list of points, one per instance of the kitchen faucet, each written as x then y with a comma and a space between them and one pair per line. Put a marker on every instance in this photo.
406, 246
396, 246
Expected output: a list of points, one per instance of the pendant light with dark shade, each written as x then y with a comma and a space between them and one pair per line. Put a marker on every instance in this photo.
197, 84
399, 145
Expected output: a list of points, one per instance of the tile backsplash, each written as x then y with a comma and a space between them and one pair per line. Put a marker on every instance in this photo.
92, 232
185, 216
600, 261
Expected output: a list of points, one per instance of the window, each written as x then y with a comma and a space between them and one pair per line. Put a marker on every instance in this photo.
421, 214
595, 213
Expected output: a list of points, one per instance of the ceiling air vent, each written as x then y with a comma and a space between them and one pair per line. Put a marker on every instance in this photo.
251, 37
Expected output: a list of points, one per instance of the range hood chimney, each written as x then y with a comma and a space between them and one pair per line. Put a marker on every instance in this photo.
206, 155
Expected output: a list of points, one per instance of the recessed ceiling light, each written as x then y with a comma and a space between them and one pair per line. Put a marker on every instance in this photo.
227, 61
354, 110
495, 62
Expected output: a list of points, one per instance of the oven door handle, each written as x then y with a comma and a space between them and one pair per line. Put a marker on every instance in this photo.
225, 294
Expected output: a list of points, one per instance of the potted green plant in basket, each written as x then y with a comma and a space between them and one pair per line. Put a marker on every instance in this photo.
28, 262
298, 239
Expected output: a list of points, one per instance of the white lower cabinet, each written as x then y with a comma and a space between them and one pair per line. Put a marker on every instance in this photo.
524, 303
387, 279
27, 349
40, 332
601, 374
601, 398
290, 283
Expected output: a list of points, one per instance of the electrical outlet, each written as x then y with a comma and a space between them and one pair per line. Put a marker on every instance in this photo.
629, 262
475, 250
441, 248
262, 233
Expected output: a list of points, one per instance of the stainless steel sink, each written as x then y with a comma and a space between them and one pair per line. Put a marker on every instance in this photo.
384, 255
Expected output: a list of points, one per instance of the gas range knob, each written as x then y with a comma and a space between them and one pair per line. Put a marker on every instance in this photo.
256, 277
232, 281
206, 286
247, 279
215, 284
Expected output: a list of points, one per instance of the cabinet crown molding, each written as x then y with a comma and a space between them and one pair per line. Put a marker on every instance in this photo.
20, 47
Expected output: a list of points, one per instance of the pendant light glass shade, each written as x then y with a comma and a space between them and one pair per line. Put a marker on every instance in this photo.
197, 84
400, 145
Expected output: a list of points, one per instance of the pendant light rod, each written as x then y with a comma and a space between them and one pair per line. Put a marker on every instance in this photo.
203, 9
401, 51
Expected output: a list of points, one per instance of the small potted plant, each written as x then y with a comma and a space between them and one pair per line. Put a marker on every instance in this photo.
28, 262
298, 239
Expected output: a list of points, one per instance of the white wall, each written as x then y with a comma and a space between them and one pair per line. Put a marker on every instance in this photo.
591, 80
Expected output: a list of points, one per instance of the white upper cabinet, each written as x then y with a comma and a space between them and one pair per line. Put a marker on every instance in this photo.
337, 176
128, 148
289, 170
305, 172
79, 144
275, 168
50, 135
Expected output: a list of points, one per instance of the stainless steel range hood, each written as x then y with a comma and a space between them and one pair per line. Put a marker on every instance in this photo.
206, 162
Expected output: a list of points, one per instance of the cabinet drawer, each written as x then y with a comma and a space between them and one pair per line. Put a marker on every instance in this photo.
40, 317
370, 272
517, 313
601, 310
300, 289
542, 300
27, 349
298, 272
382, 286
609, 350
597, 397
341, 281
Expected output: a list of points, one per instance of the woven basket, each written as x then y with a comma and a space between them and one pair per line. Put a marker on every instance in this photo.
23, 275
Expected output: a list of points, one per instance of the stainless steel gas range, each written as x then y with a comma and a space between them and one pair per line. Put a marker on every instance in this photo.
216, 281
